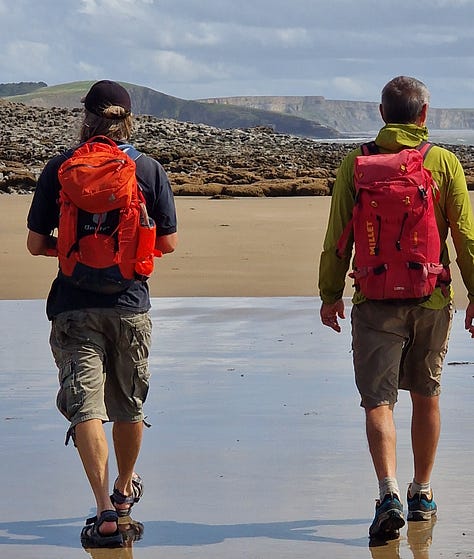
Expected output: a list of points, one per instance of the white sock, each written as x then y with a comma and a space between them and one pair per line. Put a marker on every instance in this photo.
416, 487
388, 485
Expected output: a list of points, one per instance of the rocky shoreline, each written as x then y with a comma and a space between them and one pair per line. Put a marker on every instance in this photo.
200, 160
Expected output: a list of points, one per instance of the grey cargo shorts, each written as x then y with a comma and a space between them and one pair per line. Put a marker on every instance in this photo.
102, 357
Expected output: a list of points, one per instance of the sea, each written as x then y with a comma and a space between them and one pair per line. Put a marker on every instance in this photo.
454, 137
449, 137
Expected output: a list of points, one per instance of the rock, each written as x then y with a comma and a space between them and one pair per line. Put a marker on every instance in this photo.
200, 160
189, 189
241, 191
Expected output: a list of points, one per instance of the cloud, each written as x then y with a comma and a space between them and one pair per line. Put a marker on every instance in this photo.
264, 47
112, 7
178, 68
25, 58
88, 69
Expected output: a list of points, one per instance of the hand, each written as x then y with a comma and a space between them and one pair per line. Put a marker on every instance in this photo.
469, 322
331, 311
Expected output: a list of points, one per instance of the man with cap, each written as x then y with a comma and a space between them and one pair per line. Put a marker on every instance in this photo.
101, 342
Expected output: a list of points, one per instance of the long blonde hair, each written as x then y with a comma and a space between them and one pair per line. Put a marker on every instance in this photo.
116, 124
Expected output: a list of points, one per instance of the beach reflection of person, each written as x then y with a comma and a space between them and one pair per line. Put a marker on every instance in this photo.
419, 540
131, 531
101, 342
401, 345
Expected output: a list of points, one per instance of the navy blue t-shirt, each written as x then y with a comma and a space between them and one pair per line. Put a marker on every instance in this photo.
43, 218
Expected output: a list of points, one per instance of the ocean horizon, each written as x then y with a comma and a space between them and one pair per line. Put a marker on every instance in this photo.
449, 137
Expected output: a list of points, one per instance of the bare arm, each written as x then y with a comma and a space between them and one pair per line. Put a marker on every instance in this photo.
167, 243
41, 245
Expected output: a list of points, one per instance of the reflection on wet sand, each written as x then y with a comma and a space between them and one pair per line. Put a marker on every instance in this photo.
131, 530
254, 416
419, 538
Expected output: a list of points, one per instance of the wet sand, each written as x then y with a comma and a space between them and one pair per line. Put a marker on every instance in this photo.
257, 445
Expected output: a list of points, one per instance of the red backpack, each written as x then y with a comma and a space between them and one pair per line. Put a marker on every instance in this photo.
396, 238
105, 238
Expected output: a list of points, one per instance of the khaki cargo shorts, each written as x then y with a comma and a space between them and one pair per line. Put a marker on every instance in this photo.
398, 346
102, 357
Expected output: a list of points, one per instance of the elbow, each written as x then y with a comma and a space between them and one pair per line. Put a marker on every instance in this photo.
37, 244
167, 243
34, 249
168, 248
34, 252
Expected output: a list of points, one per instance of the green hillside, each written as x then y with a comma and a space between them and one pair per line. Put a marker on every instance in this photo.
147, 101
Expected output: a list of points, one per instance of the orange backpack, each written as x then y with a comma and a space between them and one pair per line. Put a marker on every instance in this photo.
106, 240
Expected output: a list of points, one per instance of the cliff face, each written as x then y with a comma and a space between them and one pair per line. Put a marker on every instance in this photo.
146, 101
306, 116
350, 117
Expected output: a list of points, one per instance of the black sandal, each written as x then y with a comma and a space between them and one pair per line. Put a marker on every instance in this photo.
91, 536
119, 498
131, 532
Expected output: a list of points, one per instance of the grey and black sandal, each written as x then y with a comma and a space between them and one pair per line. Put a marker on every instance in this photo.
119, 498
91, 536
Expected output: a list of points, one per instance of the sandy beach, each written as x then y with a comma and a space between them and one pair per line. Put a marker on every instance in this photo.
240, 247
257, 443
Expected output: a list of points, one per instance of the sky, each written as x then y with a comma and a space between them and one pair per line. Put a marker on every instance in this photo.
191, 49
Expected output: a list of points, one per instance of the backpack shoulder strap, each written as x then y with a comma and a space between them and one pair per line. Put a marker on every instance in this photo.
369, 148
134, 154
424, 148
130, 150
344, 239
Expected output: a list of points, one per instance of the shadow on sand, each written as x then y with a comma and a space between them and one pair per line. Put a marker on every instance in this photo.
65, 532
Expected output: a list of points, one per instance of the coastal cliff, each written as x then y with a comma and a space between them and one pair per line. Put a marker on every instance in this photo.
351, 117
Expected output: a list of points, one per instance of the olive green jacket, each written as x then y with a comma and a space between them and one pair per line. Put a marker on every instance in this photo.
453, 213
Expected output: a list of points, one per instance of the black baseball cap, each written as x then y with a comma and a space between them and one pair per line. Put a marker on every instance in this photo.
105, 93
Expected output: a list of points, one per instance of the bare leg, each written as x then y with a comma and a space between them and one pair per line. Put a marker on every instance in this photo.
382, 439
93, 450
127, 443
425, 431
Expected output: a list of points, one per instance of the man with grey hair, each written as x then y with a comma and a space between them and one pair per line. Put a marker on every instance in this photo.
101, 340
400, 344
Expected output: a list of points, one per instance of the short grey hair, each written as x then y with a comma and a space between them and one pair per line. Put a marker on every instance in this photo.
403, 99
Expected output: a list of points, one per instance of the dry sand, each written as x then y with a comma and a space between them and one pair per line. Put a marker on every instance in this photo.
256, 247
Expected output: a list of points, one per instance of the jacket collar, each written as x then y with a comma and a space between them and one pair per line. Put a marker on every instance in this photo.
393, 137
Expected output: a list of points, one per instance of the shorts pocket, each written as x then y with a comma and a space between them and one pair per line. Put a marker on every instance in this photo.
70, 396
136, 336
141, 382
